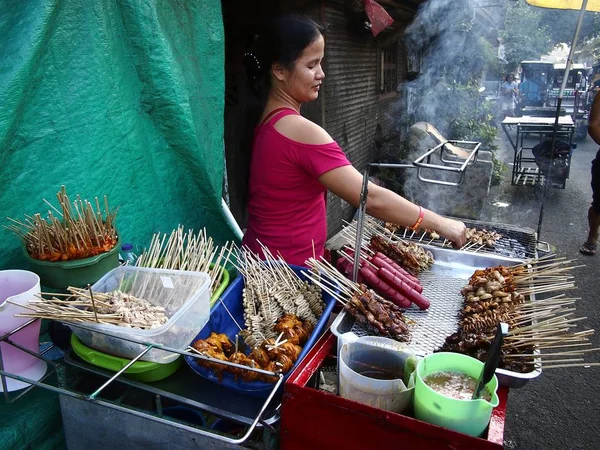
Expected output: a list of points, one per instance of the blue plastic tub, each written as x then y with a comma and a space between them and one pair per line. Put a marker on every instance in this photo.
221, 322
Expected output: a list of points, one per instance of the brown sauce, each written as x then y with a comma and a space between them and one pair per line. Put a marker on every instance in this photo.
455, 385
378, 374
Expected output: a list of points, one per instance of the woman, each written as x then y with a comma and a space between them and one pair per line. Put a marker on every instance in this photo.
509, 90
294, 161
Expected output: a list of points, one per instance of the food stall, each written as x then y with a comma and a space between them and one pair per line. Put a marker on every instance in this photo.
197, 388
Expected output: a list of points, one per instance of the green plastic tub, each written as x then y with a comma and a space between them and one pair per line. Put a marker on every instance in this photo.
78, 272
465, 416
144, 371
220, 289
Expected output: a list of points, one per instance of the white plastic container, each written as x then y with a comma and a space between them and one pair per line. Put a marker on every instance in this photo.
19, 287
361, 363
184, 295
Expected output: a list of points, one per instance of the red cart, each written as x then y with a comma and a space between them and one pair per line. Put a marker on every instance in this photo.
314, 419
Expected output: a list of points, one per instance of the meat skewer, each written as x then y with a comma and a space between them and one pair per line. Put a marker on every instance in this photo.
404, 288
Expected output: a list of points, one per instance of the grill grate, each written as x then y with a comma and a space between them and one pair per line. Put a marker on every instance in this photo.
431, 327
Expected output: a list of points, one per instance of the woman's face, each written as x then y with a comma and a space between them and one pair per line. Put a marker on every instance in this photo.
304, 80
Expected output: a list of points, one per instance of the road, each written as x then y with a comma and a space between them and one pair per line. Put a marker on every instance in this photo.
558, 410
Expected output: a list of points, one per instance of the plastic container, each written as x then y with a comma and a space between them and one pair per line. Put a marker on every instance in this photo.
19, 286
221, 322
465, 416
186, 300
144, 371
366, 366
78, 272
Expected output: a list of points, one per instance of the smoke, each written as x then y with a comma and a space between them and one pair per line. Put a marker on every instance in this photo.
450, 49
447, 47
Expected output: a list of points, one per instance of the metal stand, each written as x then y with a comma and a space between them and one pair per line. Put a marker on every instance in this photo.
419, 165
93, 397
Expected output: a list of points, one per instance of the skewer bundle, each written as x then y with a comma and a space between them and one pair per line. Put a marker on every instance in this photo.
187, 251
272, 290
85, 306
475, 237
545, 324
410, 256
381, 316
73, 231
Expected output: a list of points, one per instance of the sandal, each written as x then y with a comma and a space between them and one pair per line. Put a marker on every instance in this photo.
588, 249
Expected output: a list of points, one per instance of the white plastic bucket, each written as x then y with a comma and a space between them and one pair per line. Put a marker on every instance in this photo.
18, 287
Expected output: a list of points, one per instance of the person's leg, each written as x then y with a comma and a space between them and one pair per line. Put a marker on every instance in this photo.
594, 223
590, 245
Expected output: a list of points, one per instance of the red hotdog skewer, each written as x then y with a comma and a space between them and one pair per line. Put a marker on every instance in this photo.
382, 288
381, 263
395, 265
403, 288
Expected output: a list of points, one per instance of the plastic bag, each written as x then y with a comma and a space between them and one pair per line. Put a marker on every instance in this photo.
378, 16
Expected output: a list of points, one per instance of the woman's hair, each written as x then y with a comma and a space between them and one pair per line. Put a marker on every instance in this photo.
281, 41
509, 75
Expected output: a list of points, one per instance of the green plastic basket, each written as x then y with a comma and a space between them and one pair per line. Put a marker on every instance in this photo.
78, 272
144, 371
221, 288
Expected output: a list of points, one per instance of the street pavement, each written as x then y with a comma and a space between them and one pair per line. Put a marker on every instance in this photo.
561, 408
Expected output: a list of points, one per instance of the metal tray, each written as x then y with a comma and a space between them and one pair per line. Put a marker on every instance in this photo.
442, 285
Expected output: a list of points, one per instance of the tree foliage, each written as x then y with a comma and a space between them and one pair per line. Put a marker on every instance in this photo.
525, 35
561, 25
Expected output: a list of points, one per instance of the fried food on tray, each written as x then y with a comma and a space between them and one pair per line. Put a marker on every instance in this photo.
220, 341
274, 355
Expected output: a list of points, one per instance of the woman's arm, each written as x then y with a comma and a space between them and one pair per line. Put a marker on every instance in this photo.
346, 182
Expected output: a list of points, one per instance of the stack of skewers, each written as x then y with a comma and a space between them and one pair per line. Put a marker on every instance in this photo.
74, 230
476, 238
85, 306
280, 312
187, 251
388, 266
380, 316
500, 294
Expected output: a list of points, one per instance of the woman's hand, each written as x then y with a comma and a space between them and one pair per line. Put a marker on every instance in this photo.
454, 231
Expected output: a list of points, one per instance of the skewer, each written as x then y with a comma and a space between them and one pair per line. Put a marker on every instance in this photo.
93, 303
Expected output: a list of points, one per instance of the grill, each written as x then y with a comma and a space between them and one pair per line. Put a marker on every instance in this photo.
442, 285
516, 242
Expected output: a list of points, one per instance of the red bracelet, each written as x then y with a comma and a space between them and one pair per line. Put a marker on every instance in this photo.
415, 227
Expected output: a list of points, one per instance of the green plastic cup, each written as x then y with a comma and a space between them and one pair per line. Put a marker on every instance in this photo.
465, 416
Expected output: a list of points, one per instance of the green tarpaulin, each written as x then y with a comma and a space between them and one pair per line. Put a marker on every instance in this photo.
123, 98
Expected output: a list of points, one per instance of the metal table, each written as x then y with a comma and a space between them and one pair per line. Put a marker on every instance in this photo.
525, 171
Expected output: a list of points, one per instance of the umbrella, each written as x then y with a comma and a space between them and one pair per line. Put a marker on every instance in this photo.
582, 6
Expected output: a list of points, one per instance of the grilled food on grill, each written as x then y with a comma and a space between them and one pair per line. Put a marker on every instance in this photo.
410, 256
381, 316
477, 345
482, 237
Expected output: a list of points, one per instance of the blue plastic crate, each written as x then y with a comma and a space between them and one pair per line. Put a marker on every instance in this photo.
221, 322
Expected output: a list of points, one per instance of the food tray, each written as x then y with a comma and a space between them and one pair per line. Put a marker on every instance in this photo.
442, 285
221, 322
184, 295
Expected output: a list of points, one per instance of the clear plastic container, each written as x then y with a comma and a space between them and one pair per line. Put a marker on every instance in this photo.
184, 295
376, 371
